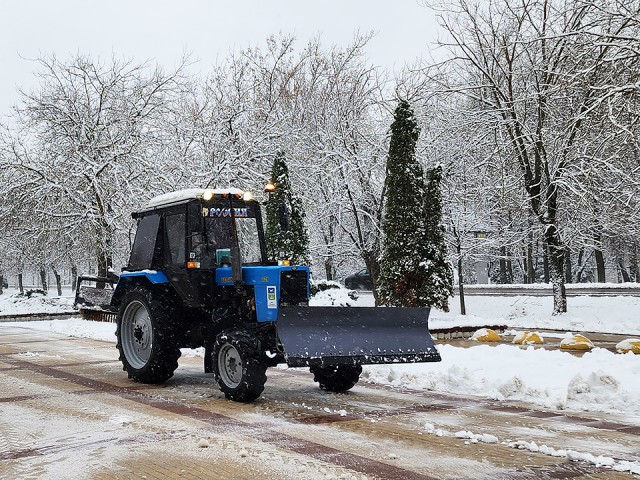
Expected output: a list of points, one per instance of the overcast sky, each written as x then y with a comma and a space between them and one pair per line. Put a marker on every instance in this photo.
162, 30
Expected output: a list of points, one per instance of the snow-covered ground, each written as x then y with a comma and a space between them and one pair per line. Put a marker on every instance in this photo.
12, 303
619, 314
597, 381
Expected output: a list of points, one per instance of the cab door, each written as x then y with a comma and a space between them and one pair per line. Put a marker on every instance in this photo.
193, 283
174, 228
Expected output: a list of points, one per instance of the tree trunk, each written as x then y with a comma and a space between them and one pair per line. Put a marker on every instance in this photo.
1, 283
580, 266
328, 268
74, 277
556, 267
600, 273
104, 264
633, 264
373, 265
58, 281
20, 283
504, 271
531, 272
545, 261
463, 308
623, 272
43, 279
568, 274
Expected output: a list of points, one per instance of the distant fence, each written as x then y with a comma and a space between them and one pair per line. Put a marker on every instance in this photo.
544, 290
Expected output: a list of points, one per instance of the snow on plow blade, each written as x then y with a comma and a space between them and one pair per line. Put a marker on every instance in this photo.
355, 335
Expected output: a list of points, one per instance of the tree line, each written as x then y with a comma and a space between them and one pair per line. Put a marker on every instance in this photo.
532, 116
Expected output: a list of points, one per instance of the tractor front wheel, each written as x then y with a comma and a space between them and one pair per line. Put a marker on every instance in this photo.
238, 367
336, 378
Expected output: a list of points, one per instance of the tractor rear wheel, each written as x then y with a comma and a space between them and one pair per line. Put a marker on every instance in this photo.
238, 367
146, 338
336, 378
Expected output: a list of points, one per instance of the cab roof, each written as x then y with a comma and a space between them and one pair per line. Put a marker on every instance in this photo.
180, 196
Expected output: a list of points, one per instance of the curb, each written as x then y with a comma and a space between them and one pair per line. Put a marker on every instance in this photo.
38, 317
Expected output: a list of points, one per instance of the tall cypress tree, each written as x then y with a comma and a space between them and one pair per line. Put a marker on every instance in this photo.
440, 285
293, 242
413, 270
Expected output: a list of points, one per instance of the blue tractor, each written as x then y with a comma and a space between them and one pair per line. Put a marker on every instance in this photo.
198, 276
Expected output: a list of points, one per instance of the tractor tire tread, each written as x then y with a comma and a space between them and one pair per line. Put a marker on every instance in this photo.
165, 351
338, 378
253, 366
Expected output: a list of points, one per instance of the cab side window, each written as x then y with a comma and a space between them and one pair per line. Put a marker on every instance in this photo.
175, 228
144, 244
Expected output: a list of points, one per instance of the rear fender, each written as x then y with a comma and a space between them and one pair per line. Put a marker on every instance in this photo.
148, 279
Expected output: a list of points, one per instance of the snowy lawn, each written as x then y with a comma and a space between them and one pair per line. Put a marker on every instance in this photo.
585, 314
598, 381
12, 303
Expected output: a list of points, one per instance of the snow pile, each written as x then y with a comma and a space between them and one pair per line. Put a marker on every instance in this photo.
341, 297
597, 460
75, 327
598, 381
476, 438
33, 302
573, 455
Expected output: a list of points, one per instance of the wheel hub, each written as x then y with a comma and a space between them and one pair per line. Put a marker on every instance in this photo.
230, 365
141, 336
136, 334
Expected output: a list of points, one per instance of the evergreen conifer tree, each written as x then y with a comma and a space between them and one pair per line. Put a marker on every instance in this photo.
440, 286
294, 241
413, 268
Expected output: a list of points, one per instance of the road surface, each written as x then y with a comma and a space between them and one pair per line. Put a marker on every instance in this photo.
68, 411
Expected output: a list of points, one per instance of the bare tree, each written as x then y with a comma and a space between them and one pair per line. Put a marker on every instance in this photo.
540, 70
81, 148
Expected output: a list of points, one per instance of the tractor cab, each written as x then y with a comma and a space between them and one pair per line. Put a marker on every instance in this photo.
190, 234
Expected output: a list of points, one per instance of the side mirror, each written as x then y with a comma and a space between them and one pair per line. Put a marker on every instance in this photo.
283, 215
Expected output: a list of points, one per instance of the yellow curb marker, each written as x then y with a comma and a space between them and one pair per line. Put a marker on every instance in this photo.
528, 338
486, 335
629, 345
576, 342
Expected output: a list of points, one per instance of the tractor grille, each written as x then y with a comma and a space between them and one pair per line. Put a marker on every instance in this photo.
293, 287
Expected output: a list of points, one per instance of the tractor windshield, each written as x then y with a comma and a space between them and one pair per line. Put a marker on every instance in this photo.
215, 249
248, 240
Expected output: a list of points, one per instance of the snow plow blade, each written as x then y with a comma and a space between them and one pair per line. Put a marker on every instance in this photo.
92, 297
355, 335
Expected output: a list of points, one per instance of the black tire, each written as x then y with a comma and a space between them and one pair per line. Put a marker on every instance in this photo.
238, 365
147, 341
337, 378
